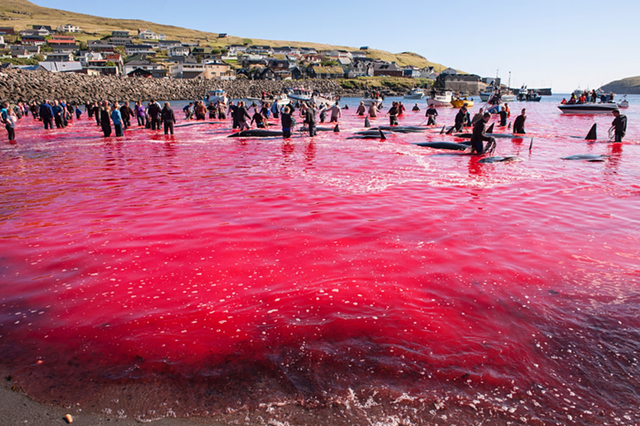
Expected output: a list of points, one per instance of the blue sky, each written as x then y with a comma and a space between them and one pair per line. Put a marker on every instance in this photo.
561, 44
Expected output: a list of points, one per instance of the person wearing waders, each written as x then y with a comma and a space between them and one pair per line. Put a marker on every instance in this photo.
619, 125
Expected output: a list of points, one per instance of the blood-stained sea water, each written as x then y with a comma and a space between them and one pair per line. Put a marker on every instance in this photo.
324, 280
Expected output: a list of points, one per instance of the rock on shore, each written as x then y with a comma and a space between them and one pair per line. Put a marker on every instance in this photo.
29, 86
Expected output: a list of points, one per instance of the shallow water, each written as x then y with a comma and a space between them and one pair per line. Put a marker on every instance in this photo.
324, 280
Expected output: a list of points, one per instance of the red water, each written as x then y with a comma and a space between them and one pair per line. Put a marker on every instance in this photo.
325, 280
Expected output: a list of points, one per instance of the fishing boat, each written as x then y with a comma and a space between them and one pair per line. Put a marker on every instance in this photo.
280, 99
459, 103
526, 95
440, 99
504, 96
217, 95
588, 108
415, 94
306, 95
624, 103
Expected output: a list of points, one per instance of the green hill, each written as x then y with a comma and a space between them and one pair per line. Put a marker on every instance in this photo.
21, 14
629, 85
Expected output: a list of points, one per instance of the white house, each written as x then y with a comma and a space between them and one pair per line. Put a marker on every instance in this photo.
146, 34
179, 51
69, 29
135, 49
428, 72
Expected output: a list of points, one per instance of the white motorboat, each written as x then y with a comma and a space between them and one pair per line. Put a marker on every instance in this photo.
415, 94
281, 100
440, 99
588, 108
624, 103
504, 97
217, 95
367, 101
306, 95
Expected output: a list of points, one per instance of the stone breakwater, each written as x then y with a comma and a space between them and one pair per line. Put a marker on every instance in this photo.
29, 86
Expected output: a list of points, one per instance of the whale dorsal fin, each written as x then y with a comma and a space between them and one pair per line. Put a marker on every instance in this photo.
382, 136
336, 129
490, 129
592, 135
366, 122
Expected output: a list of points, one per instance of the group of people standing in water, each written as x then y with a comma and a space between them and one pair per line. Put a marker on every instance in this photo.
117, 117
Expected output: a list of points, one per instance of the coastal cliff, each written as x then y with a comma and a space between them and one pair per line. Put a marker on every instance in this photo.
629, 85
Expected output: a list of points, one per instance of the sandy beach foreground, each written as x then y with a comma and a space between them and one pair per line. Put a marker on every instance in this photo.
17, 409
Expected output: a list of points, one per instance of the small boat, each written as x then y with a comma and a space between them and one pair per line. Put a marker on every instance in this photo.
526, 95
504, 97
440, 99
368, 101
217, 95
306, 95
415, 93
588, 108
624, 103
459, 103
281, 100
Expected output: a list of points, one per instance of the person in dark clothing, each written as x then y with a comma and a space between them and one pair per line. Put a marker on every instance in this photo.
126, 112
431, 115
105, 119
503, 116
393, 114
259, 119
518, 125
287, 122
310, 118
58, 113
34, 110
154, 114
461, 118
96, 112
46, 114
478, 136
619, 125
212, 111
242, 115
168, 118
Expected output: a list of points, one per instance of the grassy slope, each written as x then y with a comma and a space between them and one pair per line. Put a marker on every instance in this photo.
630, 85
97, 27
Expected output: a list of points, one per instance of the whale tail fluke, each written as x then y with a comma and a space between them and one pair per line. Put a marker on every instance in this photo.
592, 135
442, 131
509, 126
531, 144
366, 122
451, 130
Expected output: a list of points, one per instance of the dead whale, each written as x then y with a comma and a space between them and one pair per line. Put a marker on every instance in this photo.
255, 133
587, 157
322, 129
401, 129
370, 134
500, 159
451, 146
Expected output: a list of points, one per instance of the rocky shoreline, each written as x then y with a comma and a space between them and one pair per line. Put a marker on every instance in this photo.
29, 86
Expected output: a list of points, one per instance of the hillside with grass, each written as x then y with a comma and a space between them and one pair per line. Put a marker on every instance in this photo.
629, 85
21, 14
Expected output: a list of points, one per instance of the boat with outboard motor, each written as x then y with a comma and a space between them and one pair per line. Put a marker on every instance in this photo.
442, 99
415, 94
217, 95
588, 108
306, 95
